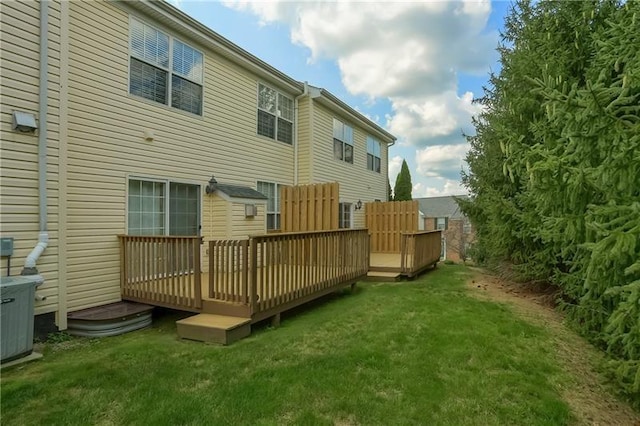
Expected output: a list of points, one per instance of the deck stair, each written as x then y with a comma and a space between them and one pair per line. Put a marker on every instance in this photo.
381, 276
213, 328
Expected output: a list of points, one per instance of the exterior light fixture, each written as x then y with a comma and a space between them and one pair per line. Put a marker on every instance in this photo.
359, 205
213, 185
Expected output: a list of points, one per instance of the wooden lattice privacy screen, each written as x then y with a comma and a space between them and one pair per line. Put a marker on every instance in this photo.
309, 207
386, 221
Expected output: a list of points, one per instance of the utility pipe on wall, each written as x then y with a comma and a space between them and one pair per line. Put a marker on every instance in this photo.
43, 237
295, 133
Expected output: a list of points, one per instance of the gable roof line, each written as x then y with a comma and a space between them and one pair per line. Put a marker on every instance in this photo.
337, 104
185, 23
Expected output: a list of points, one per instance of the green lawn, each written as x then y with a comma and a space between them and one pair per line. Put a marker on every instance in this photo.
422, 352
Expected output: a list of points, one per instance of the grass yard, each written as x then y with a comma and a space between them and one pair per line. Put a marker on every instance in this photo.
423, 352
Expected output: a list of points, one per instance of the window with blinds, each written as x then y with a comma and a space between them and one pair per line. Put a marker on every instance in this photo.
272, 192
164, 69
373, 154
275, 115
342, 141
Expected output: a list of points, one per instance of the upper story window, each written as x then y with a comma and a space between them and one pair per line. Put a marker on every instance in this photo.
164, 69
441, 223
275, 115
373, 154
342, 141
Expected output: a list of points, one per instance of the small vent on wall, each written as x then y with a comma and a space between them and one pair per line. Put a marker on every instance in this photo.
250, 210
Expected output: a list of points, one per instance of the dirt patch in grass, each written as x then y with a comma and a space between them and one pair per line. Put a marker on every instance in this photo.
591, 399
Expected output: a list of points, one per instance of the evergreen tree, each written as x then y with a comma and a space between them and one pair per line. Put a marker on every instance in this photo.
389, 193
555, 165
403, 187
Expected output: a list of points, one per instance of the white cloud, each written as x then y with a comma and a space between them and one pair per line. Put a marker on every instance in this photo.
441, 161
438, 188
410, 52
395, 164
439, 119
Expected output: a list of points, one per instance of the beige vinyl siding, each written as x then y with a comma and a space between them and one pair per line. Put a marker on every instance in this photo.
216, 218
304, 140
242, 227
106, 144
356, 181
19, 88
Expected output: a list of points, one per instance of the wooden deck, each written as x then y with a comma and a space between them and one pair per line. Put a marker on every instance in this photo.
250, 279
418, 252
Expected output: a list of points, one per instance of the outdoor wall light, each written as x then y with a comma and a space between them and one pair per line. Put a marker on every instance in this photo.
359, 205
213, 185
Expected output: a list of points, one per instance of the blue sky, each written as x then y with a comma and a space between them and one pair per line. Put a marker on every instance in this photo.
413, 67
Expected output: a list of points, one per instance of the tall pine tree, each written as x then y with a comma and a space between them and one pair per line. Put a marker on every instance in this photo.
403, 187
555, 165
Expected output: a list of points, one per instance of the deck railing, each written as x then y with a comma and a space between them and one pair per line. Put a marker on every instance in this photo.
270, 271
229, 270
419, 250
162, 270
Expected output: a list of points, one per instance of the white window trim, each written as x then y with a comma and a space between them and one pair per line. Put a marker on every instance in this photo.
373, 154
352, 144
351, 211
167, 183
266, 207
293, 122
169, 69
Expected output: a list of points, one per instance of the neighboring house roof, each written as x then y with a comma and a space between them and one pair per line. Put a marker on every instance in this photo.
441, 206
238, 191
180, 21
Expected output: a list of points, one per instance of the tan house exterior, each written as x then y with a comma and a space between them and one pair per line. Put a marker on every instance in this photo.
122, 156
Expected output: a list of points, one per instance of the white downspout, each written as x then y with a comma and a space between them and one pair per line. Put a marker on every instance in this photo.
43, 237
295, 134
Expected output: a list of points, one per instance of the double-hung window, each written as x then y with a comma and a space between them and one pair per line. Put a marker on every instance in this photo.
373, 154
272, 192
275, 115
165, 70
344, 215
342, 141
160, 207
441, 223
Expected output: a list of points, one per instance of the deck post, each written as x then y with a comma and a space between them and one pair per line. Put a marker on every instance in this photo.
275, 320
253, 279
197, 273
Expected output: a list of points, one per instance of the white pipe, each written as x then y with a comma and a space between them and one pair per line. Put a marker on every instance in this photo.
295, 134
43, 238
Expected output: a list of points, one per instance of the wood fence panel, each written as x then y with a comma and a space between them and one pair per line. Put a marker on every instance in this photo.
309, 207
388, 221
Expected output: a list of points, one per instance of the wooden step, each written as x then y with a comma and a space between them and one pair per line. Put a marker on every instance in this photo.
214, 328
383, 276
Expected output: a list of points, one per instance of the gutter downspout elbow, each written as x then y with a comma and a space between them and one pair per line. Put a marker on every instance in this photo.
43, 237
295, 134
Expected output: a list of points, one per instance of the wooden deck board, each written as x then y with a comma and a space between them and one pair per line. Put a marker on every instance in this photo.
218, 321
